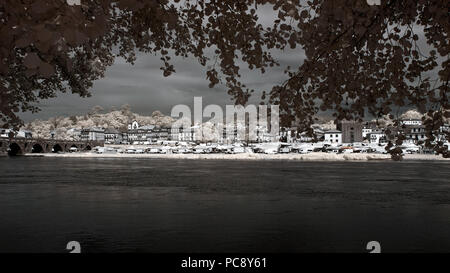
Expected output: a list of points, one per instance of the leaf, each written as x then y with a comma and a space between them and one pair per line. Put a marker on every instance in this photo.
47, 70
23, 42
32, 61
3, 68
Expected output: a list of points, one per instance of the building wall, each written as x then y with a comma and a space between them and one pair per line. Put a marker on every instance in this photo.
91, 135
334, 137
351, 131
376, 138
114, 137
411, 122
366, 131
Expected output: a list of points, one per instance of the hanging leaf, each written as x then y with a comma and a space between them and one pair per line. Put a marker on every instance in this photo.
32, 61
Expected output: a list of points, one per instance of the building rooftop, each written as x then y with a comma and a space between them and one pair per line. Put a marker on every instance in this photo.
333, 132
147, 127
93, 129
111, 131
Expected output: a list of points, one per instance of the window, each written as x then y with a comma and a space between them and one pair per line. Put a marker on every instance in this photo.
336, 135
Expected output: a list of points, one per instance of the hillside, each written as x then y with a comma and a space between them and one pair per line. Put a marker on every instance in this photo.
63, 127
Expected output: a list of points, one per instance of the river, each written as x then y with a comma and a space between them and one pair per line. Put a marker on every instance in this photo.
158, 205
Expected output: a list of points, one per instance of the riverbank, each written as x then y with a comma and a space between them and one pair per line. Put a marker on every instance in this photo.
251, 156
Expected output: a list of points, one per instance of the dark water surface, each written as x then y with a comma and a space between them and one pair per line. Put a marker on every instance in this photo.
154, 205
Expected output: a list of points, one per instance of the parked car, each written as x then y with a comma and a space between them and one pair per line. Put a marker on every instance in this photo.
154, 151
238, 150
284, 149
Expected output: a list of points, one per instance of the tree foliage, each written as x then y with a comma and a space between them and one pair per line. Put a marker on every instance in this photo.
360, 59
68, 128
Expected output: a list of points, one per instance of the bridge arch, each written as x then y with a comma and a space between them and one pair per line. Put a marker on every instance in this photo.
73, 148
57, 148
15, 149
37, 148
22, 146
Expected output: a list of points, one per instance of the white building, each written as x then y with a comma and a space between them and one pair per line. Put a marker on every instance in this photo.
133, 126
333, 136
411, 122
21, 133
443, 131
140, 133
74, 133
376, 137
93, 134
113, 136
415, 134
180, 134
288, 135
366, 131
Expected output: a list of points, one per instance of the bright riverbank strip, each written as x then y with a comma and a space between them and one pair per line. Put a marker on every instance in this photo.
318, 156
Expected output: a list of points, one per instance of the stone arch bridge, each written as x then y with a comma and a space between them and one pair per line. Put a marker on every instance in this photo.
20, 146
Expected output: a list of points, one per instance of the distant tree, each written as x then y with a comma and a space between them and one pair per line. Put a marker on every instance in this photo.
55, 122
156, 114
123, 128
359, 58
73, 119
125, 108
96, 110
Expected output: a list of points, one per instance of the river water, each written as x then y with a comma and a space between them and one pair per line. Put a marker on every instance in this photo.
154, 205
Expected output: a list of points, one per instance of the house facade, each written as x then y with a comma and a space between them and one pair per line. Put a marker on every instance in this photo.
21, 133
333, 136
140, 134
377, 137
113, 136
366, 131
415, 134
181, 134
93, 134
351, 131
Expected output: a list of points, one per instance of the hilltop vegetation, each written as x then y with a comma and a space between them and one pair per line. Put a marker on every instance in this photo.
63, 127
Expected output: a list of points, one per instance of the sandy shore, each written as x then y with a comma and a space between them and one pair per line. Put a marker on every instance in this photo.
251, 156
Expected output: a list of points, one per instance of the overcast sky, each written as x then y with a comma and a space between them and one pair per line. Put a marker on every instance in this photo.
143, 86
